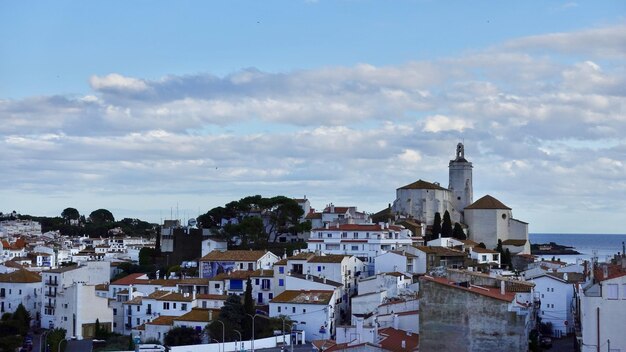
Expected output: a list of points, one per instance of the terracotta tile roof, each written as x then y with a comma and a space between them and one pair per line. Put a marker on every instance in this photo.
311, 216
491, 292
304, 297
337, 210
517, 243
571, 277
613, 271
178, 297
441, 251
134, 301
358, 227
421, 184
281, 262
203, 315
469, 243
397, 274
301, 256
487, 202
102, 287
158, 293
193, 281
391, 340
163, 320
62, 269
128, 279
483, 250
21, 276
329, 258
234, 255
406, 254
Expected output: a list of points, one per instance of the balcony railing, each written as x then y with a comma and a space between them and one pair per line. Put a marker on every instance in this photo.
50, 305
52, 283
51, 294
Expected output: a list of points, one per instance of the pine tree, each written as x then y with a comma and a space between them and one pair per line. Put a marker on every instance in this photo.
446, 225
436, 229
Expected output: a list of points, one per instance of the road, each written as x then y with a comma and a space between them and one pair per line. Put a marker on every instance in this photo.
297, 348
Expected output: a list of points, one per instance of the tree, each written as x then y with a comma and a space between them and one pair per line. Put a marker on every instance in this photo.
101, 216
70, 214
499, 247
446, 225
482, 245
54, 338
146, 256
179, 336
248, 303
436, 229
22, 319
458, 232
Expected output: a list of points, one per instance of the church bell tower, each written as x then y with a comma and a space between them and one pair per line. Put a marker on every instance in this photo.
460, 178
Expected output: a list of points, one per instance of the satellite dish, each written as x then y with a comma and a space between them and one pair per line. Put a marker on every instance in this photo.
192, 222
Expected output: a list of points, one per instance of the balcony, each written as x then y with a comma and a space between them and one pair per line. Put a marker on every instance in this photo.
52, 283
50, 305
51, 294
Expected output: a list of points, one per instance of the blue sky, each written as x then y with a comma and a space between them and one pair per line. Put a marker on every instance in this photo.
137, 106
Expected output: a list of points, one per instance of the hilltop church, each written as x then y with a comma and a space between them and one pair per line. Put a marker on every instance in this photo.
487, 219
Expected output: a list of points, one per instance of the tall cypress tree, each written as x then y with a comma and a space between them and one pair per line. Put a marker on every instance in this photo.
458, 232
248, 303
446, 225
436, 229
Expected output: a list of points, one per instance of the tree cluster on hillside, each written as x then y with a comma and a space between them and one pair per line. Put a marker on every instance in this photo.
98, 223
256, 219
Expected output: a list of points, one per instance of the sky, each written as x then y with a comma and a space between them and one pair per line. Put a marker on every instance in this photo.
160, 109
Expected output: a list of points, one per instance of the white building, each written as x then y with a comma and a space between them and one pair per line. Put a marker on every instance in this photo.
364, 241
485, 256
218, 261
77, 309
489, 220
56, 280
556, 292
20, 287
313, 311
211, 244
603, 310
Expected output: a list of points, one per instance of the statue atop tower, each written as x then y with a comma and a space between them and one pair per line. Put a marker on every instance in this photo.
460, 178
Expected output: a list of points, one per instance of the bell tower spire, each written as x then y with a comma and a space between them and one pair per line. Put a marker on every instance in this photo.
460, 178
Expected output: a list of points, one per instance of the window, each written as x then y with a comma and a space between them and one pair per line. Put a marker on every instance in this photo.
20, 292
355, 235
138, 308
484, 258
293, 309
256, 282
329, 235
183, 306
281, 282
623, 291
319, 268
303, 310
174, 305
611, 291
279, 309
344, 235
355, 248
166, 305
114, 311
203, 304
138, 322
281, 269
217, 285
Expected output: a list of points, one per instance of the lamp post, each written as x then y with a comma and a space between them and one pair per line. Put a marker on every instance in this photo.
240, 338
60, 342
252, 316
218, 344
223, 333
43, 340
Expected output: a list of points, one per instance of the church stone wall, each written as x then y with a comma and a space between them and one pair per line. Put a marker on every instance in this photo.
422, 204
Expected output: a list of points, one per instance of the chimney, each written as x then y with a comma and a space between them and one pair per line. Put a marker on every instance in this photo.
193, 293
565, 276
605, 271
332, 208
502, 287
403, 344
326, 225
396, 321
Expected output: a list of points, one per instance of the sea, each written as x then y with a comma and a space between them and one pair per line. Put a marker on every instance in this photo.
604, 246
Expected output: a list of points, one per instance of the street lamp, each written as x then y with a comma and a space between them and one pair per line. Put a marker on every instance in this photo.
65, 339
252, 316
240, 339
218, 344
43, 340
223, 332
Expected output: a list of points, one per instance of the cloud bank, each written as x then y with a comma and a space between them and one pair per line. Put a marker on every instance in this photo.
542, 119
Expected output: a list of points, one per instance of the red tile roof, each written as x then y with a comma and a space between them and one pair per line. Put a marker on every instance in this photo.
234, 255
391, 340
487, 202
359, 227
491, 292
421, 184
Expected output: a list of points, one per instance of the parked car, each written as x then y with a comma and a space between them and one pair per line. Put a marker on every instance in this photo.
545, 342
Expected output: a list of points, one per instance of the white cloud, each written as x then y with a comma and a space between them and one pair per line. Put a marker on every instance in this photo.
337, 133
117, 82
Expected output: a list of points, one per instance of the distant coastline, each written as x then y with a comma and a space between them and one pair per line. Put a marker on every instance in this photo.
603, 246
